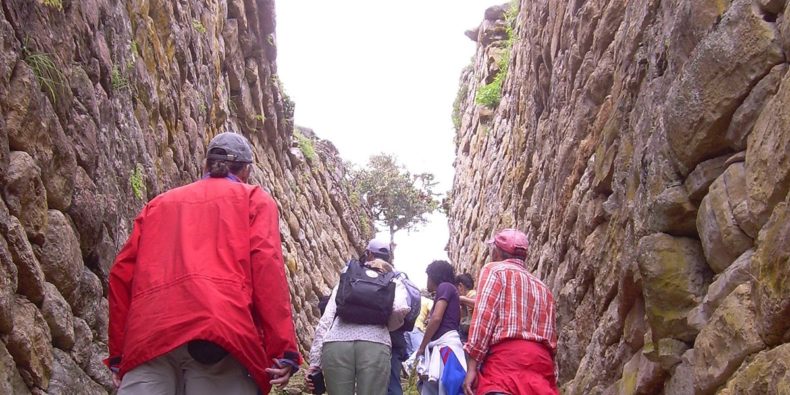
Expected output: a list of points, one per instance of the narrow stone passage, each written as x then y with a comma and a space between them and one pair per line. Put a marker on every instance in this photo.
643, 145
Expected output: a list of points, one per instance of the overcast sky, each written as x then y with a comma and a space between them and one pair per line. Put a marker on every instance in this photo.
375, 76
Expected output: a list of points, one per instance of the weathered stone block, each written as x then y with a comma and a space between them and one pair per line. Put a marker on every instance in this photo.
33, 127
772, 277
699, 180
722, 238
670, 352
675, 277
714, 82
67, 376
724, 283
57, 313
672, 212
25, 195
681, 380
767, 373
640, 376
87, 211
10, 380
8, 284
96, 369
30, 344
768, 158
83, 338
723, 344
60, 257
745, 116
89, 304
29, 274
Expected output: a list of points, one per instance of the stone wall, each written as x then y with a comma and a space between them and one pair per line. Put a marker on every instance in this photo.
645, 147
104, 105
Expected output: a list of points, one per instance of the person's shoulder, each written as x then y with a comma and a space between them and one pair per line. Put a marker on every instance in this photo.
446, 288
258, 196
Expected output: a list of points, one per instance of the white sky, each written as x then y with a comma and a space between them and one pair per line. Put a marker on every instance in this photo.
376, 76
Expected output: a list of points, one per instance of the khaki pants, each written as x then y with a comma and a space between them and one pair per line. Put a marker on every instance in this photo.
360, 363
176, 373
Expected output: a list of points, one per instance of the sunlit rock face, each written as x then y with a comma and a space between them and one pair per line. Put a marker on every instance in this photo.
104, 105
645, 148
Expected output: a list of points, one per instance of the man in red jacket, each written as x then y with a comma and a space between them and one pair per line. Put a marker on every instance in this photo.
199, 302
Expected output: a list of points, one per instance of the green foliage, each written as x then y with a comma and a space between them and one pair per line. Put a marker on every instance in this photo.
198, 26
137, 183
56, 4
305, 145
47, 73
134, 49
459, 97
119, 82
260, 117
398, 199
288, 105
489, 95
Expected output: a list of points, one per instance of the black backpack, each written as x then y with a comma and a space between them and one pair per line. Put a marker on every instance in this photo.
365, 296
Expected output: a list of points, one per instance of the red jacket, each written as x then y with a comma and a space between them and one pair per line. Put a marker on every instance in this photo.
204, 261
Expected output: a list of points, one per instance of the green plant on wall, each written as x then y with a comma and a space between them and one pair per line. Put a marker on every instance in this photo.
305, 145
260, 117
119, 82
198, 26
137, 183
288, 105
459, 97
134, 50
47, 73
56, 4
490, 94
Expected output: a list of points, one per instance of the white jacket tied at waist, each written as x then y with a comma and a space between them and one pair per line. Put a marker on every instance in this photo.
431, 365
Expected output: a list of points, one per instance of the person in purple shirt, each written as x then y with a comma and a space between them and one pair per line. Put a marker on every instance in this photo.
446, 313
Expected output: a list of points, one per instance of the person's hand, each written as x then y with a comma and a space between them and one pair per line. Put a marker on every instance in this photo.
280, 374
310, 384
470, 382
420, 352
116, 381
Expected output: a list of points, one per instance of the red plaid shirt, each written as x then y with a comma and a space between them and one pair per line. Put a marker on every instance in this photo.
511, 304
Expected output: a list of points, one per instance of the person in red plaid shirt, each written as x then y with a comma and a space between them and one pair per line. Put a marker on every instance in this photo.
512, 337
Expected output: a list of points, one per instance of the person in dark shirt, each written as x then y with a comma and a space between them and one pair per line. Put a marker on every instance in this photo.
445, 318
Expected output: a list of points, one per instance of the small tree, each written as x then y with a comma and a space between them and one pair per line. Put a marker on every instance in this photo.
398, 199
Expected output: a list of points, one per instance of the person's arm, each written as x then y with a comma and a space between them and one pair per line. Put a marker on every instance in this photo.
467, 301
320, 331
470, 381
433, 324
400, 306
270, 296
481, 330
120, 293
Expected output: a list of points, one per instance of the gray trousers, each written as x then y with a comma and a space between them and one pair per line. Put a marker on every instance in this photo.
176, 373
361, 364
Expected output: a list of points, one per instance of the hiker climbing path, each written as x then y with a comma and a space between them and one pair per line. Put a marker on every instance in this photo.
644, 145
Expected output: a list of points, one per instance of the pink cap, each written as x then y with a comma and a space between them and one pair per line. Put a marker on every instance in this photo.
511, 241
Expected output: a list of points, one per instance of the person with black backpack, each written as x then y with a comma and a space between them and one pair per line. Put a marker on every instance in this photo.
352, 345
